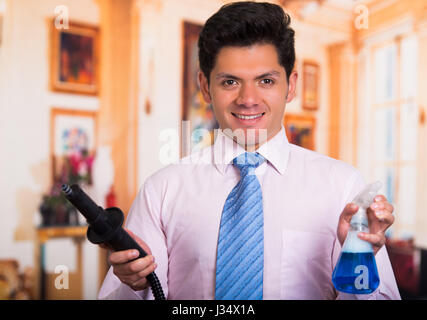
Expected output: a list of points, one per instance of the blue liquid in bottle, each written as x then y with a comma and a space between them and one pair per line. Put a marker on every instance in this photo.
356, 270
356, 273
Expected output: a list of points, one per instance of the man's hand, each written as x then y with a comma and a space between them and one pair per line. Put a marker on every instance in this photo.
380, 218
133, 273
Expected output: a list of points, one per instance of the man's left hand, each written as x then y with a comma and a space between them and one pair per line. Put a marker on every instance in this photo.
380, 218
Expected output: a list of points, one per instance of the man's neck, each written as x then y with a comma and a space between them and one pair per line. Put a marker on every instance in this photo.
254, 147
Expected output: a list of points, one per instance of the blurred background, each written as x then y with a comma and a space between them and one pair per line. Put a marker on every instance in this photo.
104, 93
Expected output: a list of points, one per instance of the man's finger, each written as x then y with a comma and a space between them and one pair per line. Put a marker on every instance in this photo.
149, 269
380, 197
385, 217
141, 281
349, 210
140, 284
375, 239
124, 256
134, 267
382, 205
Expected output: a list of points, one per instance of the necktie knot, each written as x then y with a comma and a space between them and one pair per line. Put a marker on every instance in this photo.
248, 162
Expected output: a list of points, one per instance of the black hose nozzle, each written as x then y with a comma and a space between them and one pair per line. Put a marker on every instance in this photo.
105, 226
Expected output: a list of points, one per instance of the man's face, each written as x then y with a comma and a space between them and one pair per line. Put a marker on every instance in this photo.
248, 90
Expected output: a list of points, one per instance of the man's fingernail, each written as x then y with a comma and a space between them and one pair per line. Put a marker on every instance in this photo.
134, 253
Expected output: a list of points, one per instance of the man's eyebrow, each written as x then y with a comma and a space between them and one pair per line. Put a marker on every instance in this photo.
223, 75
226, 75
269, 74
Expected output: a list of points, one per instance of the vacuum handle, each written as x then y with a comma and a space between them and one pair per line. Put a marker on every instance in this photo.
123, 241
107, 228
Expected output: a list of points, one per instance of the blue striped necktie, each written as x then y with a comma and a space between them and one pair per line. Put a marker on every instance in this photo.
240, 255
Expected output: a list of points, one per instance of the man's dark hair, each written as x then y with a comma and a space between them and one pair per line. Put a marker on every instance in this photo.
244, 24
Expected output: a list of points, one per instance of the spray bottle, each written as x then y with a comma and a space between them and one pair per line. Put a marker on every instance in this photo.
356, 270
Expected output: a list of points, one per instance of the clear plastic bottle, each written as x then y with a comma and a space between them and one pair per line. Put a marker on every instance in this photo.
356, 270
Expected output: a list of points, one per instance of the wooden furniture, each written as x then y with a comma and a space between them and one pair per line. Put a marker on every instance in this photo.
14, 285
43, 281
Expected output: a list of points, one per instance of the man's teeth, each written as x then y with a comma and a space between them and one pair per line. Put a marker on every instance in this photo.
240, 116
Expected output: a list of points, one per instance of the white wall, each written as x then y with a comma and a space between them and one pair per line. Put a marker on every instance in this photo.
24, 130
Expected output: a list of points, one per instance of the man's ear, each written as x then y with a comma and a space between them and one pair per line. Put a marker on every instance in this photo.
204, 87
292, 85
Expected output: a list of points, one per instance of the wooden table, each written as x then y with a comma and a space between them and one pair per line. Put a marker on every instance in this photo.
44, 234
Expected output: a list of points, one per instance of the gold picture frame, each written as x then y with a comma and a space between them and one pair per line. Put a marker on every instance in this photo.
70, 128
300, 130
194, 108
74, 58
310, 94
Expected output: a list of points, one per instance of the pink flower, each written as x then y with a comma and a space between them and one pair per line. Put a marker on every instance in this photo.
75, 160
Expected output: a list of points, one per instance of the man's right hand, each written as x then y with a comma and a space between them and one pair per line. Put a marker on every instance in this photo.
133, 273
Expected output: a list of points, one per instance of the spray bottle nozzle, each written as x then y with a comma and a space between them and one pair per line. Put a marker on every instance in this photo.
367, 195
363, 200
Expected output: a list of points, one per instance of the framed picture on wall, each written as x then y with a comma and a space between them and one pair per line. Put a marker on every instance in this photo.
310, 79
73, 144
300, 130
74, 58
194, 108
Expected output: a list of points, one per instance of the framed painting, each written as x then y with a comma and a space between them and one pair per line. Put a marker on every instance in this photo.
300, 130
310, 95
74, 58
73, 143
194, 108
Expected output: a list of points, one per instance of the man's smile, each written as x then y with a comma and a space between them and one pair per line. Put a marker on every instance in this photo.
248, 118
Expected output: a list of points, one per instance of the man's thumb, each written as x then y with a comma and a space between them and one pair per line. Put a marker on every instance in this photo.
349, 210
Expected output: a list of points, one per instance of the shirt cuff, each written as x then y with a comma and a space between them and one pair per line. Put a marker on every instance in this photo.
124, 292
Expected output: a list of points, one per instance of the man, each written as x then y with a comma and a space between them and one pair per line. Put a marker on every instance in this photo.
252, 216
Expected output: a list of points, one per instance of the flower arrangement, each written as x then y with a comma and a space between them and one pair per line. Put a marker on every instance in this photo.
55, 208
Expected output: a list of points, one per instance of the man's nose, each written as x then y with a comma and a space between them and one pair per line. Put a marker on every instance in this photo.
248, 96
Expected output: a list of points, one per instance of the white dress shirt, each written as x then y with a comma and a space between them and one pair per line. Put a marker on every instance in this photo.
178, 211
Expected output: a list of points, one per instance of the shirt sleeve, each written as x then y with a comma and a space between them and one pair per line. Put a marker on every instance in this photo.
387, 290
144, 220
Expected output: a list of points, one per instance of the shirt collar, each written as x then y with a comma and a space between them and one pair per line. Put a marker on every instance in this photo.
275, 151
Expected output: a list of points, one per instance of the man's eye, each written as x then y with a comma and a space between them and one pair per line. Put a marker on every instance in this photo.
267, 81
229, 82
